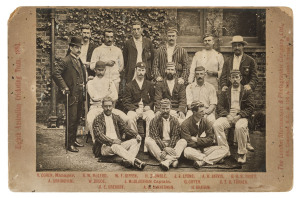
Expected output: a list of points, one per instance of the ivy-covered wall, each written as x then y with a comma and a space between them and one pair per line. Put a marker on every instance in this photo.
155, 22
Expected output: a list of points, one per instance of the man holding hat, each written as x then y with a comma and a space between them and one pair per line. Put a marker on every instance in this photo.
201, 149
99, 88
70, 77
164, 141
234, 107
171, 88
210, 59
204, 92
138, 99
242, 62
110, 56
171, 52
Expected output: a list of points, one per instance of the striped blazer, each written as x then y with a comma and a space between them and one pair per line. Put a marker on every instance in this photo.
156, 131
179, 57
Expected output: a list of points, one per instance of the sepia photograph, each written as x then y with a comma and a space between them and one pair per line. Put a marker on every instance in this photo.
151, 89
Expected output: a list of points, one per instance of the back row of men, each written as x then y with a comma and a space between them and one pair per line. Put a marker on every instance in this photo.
176, 116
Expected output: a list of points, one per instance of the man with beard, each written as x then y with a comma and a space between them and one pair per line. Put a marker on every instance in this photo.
210, 59
239, 61
171, 52
87, 49
164, 141
110, 56
234, 107
171, 88
70, 77
201, 149
204, 92
108, 129
138, 99
99, 88
137, 49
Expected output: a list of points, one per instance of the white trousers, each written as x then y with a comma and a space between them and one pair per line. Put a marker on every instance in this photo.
154, 149
210, 155
241, 133
127, 150
147, 116
95, 111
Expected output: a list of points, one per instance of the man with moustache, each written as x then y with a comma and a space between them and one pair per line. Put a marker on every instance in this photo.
70, 77
171, 52
201, 149
99, 88
234, 107
138, 99
110, 56
210, 59
204, 92
171, 88
239, 61
164, 141
108, 129
137, 49
87, 49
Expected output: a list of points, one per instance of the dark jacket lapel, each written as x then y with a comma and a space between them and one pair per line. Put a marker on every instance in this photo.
132, 43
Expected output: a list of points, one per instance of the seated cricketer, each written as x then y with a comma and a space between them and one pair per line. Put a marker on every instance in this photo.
201, 149
108, 129
99, 88
139, 98
234, 107
164, 141
170, 88
204, 92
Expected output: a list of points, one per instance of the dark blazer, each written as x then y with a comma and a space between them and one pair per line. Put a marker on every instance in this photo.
130, 57
66, 75
189, 128
99, 129
133, 95
89, 56
246, 103
156, 131
248, 69
178, 98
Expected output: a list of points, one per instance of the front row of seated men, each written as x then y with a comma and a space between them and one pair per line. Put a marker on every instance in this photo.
199, 137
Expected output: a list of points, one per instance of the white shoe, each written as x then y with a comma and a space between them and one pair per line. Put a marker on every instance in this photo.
199, 164
242, 159
249, 147
175, 164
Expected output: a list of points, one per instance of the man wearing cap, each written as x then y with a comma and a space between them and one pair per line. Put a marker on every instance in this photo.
171, 88
234, 107
109, 129
70, 77
110, 56
204, 92
239, 61
164, 141
137, 49
99, 88
138, 99
210, 59
171, 52
87, 48
201, 149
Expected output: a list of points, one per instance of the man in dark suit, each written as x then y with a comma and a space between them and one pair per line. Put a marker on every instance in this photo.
239, 61
235, 106
170, 88
87, 49
137, 49
70, 77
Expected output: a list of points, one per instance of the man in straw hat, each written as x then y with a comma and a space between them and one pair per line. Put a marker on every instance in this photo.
210, 59
164, 141
234, 107
242, 62
70, 77
201, 149
171, 52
